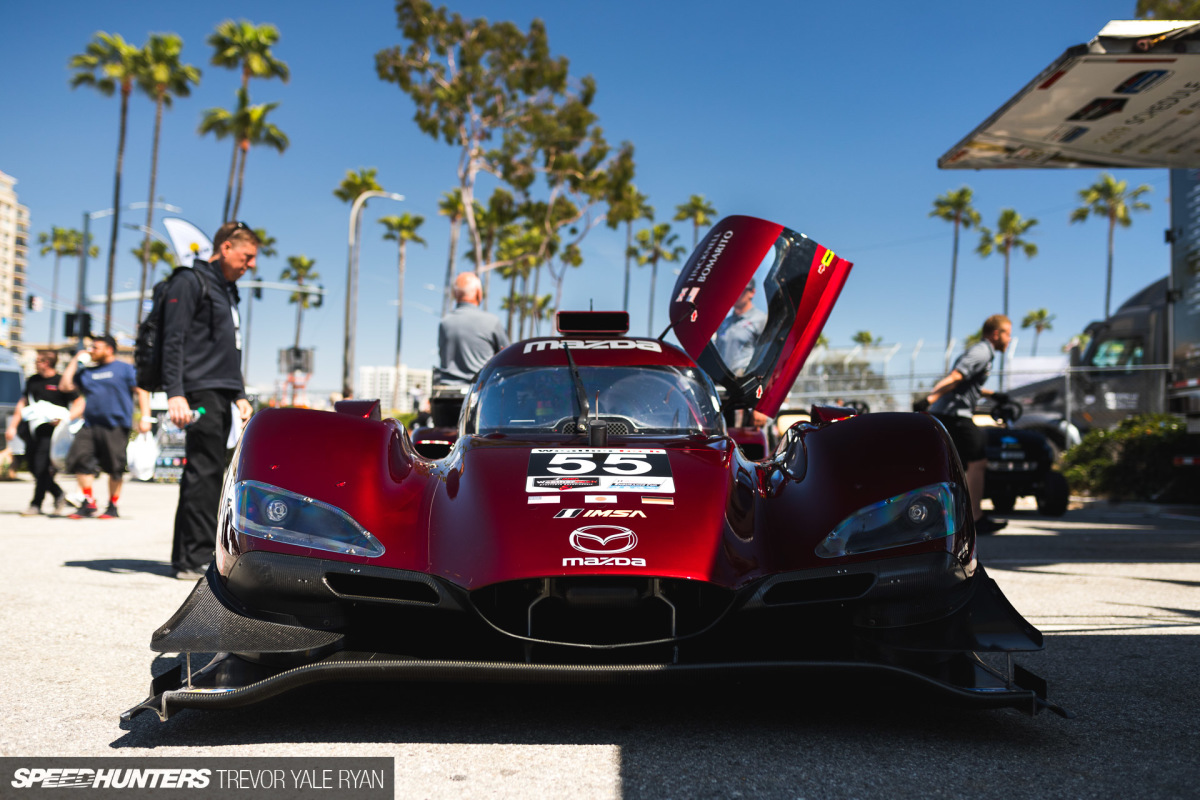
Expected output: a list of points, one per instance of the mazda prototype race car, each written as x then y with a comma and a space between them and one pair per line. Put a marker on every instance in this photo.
595, 521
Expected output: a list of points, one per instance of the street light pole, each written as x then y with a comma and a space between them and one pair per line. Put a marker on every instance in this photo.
83, 251
352, 289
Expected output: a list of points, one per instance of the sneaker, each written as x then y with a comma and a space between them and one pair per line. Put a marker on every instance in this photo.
86, 509
190, 574
986, 525
60, 505
32, 511
109, 513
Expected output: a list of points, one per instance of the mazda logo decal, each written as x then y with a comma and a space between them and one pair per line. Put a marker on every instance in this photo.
604, 540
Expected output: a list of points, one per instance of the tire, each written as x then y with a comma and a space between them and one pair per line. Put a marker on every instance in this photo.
1054, 495
1003, 501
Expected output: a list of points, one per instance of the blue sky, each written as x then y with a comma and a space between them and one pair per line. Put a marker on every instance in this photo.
828, 118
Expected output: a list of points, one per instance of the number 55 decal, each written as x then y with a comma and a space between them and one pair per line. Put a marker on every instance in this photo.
615, 469
612, 463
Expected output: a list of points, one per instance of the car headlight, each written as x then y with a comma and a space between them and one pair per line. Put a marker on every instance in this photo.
931, 512
277, 515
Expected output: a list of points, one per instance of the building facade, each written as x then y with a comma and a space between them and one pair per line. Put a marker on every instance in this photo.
14, 259
380, 382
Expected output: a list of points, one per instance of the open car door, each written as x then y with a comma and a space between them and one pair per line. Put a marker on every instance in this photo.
797, 283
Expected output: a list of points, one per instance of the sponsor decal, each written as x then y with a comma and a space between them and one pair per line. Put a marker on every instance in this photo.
658, 501
611, 561
708, 259
538, 499
637, 485
569, 469
687, 295
563, 484
599, 498
572, 513
604, 540
603, 544
593, 344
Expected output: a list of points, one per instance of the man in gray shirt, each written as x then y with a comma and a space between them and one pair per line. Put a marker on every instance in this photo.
468, 336
739, 332
952, 400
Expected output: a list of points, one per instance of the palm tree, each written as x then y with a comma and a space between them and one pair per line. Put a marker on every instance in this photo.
149, 257
1009, 231
628, 207
163, 78
266, 249
248, 126
401, 229
1111, 199
110, 64
1040, 321
955, 207
257, 131
699, 211
653, 245
245, 46
451, 205
62, 242
865, 339
299, 269
1007, 237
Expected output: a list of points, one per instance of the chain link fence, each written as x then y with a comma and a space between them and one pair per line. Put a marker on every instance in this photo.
1091, 397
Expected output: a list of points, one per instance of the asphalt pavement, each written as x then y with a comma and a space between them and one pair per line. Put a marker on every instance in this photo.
1113, 588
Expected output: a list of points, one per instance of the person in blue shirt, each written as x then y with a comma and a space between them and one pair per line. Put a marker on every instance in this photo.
109, 387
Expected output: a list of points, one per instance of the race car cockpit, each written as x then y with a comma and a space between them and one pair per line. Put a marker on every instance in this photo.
644, 399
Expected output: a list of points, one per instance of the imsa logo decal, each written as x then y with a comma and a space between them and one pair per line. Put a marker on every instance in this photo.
572, 513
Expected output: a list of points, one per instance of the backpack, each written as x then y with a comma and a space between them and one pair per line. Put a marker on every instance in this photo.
147, 351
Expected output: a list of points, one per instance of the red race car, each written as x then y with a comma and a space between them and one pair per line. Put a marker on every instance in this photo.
595, 520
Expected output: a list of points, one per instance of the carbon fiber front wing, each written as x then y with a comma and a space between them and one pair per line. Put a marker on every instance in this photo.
243, 672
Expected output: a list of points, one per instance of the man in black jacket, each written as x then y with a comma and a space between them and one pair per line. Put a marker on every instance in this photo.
203, 377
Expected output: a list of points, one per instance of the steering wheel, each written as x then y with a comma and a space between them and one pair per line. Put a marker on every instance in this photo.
1007, 412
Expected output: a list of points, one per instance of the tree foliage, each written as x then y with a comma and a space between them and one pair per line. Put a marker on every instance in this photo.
1040, 320
1112, 200
110, 64
955, 207
1008, 236
470, 79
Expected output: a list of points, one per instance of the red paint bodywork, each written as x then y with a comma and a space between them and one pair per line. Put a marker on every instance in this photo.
468, 519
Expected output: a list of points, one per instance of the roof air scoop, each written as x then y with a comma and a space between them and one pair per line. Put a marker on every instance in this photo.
592, 323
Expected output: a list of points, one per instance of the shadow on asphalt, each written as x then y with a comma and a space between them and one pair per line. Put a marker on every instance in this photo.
125, 566
776, 738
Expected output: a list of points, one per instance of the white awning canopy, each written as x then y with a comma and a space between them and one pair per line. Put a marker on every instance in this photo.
1128, 98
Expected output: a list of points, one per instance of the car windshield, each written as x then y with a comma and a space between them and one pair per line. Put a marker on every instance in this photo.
633, 400
1117, 353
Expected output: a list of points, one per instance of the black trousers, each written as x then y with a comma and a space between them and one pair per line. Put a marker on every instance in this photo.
200, 487
37, 447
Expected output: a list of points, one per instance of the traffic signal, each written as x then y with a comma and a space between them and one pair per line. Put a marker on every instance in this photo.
258, 293
77, 324
320, 297
34, 302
